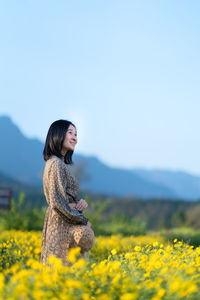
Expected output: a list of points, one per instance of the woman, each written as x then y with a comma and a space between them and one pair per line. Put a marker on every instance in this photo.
65, 225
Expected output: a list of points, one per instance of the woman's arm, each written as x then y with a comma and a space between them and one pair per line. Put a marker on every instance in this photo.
73, 205
58, 176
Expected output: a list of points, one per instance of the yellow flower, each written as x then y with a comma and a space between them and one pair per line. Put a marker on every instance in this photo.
37, 250
161, 292
192, 288
129, 255
115, 265
155, 244
129, 296
52, 259
116, 278
38, 294
190, 270
79, 264
175, 285
164, 270
137, 248
36, 265
102, 297
98, 291
73, 253
86, 296
73, 283
114, 251
1, 281
92, 283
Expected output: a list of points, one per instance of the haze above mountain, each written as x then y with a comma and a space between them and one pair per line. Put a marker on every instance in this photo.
21, 158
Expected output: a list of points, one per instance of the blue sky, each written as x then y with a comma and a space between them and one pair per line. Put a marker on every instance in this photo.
125, 72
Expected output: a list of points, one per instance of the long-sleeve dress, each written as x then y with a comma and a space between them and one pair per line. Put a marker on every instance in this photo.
64, 226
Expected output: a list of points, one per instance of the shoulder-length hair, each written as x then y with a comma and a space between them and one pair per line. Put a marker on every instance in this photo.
54, 141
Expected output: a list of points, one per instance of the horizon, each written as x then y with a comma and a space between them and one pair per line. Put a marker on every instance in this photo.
114, 167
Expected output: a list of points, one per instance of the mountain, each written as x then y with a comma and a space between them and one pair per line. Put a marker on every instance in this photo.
21, 158
33, 194
186, 186
118, 182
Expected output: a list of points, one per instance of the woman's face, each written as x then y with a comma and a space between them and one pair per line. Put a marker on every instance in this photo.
70, 139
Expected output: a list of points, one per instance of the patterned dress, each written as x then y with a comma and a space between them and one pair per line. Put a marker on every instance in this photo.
64, 226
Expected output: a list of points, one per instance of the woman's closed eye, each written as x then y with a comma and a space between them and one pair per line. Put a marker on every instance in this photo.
72, 133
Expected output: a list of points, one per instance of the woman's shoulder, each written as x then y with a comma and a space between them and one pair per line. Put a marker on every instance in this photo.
54, 158
58, 162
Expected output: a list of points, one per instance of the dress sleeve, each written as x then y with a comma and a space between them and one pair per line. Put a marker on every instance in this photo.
59, 200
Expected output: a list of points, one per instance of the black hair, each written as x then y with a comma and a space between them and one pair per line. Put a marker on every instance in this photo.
54, 141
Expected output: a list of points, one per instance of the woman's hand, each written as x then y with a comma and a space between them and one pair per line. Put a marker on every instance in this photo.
88, 224
82, 204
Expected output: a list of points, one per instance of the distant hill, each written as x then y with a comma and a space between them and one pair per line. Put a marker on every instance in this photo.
119, 182
21, 158
185, 185
33, 194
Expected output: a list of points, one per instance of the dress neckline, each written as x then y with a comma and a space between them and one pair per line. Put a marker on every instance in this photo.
62, 158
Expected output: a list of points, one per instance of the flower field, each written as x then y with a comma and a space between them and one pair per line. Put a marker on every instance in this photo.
143, 267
